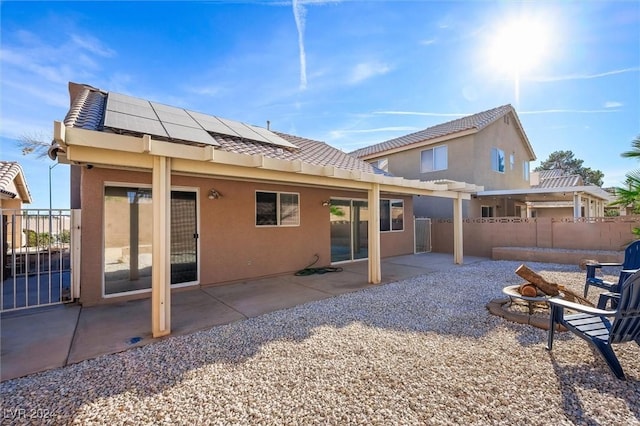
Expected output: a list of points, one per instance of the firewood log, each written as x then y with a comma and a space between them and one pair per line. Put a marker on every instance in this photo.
528, 290
548, 288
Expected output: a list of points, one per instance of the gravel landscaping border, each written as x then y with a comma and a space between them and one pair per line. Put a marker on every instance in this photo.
419, 351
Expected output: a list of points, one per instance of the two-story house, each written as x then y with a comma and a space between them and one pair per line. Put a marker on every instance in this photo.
489, 149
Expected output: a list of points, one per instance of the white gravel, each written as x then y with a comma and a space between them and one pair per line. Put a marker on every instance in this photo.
419, 351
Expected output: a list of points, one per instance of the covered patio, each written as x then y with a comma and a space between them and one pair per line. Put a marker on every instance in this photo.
42, 339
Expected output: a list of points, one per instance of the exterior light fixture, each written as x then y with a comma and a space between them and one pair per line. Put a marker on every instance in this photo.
214, 195
326, 203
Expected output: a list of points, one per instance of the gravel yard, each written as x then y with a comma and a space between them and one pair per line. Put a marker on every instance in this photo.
419, 351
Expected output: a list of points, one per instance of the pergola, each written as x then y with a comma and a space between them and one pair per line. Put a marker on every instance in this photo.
163, 159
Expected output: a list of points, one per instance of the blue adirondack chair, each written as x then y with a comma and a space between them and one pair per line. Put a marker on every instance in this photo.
594, 326
630, 265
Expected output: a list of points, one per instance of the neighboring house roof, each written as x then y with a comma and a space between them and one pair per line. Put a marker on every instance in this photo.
548, 174
553, 185
88, 110
449, 130
12, 179
559, 181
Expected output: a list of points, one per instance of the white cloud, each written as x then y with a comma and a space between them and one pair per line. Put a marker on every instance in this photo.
300, 15
585, 76
566, 111
612, 104
92, 44
428, 42
422, 113
335, 134
366, 70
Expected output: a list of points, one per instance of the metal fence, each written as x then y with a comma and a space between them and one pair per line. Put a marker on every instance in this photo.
422, 235
37, 258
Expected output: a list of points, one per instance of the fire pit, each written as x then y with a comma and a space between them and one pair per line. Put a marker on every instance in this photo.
513, 292
534, 294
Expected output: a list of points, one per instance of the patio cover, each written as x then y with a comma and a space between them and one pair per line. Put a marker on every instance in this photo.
75, 145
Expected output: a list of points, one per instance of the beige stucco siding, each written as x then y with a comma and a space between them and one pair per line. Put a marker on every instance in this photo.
469, 158
232, 247
505, 137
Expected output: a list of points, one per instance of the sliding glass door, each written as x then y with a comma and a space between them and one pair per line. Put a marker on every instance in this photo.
349, 230
128, 239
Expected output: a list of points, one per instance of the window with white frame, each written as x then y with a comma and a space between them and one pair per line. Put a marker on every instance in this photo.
382, 164
525, 170
487, 211
433, 159
391, 215
512, 161
277, 208
497, 160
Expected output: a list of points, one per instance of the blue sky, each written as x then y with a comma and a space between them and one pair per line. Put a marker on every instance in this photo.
350, 73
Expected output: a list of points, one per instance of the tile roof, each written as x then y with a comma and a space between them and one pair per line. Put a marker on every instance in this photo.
87, 112
476, 121
557, 178
11, 171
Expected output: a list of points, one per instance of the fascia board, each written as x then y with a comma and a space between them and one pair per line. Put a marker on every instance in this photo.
427, 142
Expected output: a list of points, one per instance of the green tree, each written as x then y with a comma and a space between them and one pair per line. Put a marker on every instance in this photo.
635, 152
566, 161
630, 195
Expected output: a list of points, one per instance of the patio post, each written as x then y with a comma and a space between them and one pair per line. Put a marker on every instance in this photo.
161, 270
576, 205
375, 270
457, 230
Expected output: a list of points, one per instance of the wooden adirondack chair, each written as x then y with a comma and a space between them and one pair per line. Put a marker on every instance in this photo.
629, 266
594, 326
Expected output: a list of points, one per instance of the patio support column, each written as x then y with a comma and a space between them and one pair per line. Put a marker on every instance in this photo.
576, 204
375, 270
161, 271
457, 230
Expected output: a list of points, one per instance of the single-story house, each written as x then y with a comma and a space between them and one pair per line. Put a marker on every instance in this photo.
14, 192
207, 200
553, 193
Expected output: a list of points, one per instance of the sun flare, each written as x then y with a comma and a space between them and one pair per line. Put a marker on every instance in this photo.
519, 46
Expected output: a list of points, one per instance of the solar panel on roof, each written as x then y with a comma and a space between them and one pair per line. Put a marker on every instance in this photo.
132, 109
243, 130
182, 119
127, 99
138, 115
190, 134
272, 137
212, 124
133, 123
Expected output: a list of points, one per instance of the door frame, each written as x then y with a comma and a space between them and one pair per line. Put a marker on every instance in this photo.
180, 188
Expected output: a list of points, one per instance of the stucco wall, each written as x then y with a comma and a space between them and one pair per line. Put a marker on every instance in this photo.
482, 235
232, 247
469, 158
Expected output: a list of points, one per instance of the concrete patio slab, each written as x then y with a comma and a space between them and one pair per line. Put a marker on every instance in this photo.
37, 339
266, 295
40, 339
112, 328
195, 310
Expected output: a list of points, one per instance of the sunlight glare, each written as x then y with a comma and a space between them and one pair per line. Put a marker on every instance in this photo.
519, 46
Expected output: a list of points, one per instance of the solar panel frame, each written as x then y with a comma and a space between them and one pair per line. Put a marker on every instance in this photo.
212, 123
134, 123
131, 109
243, 130
190, 134
271, 137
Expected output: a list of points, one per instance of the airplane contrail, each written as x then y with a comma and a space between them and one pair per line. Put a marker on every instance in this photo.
299, 13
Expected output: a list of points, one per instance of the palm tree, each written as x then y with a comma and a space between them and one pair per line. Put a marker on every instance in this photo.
635, 153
